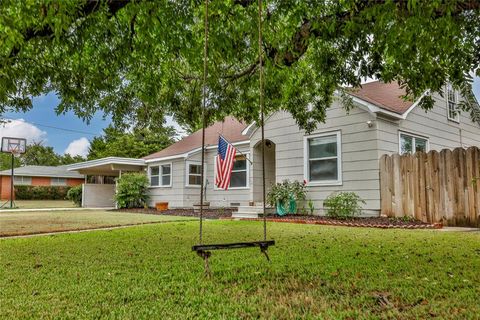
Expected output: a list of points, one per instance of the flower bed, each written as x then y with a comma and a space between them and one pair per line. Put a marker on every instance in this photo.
372, 222
185, 212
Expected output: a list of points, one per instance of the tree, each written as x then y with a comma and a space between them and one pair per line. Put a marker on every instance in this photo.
67, 159
135, 144
37, 154
6, 161
141, 60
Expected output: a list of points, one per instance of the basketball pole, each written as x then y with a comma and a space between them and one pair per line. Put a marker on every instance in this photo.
11, 184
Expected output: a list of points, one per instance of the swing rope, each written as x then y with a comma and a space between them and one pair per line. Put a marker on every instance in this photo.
262, 116
201, 249
204, 106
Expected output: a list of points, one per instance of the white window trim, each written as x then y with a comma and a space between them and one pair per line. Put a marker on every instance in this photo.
23, 182
306, 163
246, 154
160, 175
64, 183
457, 118
414, 136
187, 173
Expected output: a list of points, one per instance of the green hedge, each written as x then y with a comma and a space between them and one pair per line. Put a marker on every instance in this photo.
41, 192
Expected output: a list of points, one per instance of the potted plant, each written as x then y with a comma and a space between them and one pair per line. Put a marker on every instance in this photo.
285, 196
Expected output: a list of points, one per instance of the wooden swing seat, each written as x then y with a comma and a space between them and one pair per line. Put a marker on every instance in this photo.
235, 245
203, 250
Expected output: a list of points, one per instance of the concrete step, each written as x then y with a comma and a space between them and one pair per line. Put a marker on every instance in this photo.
247, 215
251, 211
254, 209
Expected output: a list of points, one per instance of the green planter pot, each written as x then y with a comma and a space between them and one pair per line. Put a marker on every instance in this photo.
281, 209
292, 206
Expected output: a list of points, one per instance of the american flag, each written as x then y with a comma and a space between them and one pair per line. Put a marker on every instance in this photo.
224, 163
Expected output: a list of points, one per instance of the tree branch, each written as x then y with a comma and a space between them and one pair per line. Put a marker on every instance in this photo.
90, 7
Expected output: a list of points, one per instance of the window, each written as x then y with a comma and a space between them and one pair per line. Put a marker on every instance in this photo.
22, 180
58, 181
101, 179
161, 176
194, 174
240, 175
154, 176
452, 104
109, 180
411, 144
323, 159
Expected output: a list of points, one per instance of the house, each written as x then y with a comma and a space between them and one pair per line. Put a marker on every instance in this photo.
38, 176
342, 154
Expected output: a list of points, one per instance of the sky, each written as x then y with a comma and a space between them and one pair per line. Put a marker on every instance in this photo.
67, 133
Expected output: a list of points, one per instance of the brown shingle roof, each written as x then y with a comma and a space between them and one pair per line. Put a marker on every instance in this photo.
230, 128
387, 96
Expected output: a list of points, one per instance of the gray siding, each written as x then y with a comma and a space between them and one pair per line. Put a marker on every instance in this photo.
359, 154
181, 195
216, 197
362, 146
98, 195
174, 194
434, 125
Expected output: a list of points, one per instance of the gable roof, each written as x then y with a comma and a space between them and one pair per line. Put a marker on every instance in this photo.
43, 171
387, 96
230, 128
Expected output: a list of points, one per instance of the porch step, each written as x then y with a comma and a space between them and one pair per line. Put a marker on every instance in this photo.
237, 215
251, 211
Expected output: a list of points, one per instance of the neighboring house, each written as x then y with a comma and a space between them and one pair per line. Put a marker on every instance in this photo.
342, 154
38, 176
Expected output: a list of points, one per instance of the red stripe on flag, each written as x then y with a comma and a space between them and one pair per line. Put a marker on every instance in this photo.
228, 166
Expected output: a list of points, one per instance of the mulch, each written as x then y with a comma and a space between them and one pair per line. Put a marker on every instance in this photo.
370, 222
187, 212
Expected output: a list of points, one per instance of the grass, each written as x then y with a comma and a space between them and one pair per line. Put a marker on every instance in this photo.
149, 272
23, 223
40, 204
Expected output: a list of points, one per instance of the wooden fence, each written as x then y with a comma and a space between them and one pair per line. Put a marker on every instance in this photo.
433, 186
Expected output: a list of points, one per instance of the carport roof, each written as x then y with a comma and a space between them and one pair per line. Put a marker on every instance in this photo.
108, 166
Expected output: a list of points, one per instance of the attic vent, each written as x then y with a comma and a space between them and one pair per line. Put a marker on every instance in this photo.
234, 204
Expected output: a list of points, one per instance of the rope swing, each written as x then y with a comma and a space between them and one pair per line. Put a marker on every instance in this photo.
204, 250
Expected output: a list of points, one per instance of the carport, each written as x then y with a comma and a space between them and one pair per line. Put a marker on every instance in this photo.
99, 187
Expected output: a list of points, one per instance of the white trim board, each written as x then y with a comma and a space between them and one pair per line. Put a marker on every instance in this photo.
306, 165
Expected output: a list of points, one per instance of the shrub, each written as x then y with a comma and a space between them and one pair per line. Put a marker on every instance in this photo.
281, 193
132, 190
343, 205
75, 195
41, 192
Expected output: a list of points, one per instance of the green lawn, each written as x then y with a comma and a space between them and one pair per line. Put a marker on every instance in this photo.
22, 223
149, 272
40, 204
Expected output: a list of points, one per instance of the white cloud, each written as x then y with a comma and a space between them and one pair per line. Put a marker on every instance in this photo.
78, 147
21, 129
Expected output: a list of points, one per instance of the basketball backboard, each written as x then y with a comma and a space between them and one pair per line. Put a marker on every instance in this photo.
14, 145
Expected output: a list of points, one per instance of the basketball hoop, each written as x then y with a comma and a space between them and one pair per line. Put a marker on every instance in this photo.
14, 146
